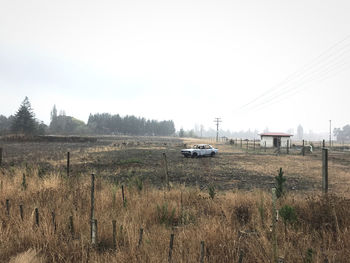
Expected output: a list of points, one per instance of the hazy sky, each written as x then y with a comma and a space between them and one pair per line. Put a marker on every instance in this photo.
189, 61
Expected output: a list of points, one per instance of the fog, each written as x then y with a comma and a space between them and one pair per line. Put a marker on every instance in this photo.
255, 64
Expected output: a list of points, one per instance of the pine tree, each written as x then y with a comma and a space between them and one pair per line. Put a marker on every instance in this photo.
24, 120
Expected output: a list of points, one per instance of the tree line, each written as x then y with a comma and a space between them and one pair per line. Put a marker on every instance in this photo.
106, 123
24, 122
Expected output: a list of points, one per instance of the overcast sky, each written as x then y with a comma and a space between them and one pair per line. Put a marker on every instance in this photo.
254, 63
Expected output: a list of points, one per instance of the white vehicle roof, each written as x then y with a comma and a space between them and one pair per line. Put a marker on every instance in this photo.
202, 144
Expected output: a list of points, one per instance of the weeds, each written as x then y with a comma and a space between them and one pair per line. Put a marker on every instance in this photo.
24, 182
211, 190
309, 256
164, 215
138, 182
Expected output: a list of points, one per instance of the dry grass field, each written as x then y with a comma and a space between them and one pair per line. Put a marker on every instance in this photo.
235, 219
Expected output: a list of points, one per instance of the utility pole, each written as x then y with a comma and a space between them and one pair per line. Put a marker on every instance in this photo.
217, 121
330, 133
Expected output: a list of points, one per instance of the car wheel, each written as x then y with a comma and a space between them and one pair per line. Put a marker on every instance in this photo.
194, 155
212, 154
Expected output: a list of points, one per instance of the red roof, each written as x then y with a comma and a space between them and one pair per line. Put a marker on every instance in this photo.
278, 134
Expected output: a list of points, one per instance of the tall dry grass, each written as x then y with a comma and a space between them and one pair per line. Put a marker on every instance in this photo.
233, 225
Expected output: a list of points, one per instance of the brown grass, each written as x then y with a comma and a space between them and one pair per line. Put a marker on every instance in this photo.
230, 224
236, 223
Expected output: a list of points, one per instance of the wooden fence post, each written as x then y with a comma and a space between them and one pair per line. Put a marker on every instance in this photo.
287, 146
241, 256
323, 143
96, 232
7, 207
166, 171
171, 247
325, 170
68, 163
247, 144
241, 143
36, 211
140, 238
92, 212
71, 226
21, 211
114, 225
123, 196
265, 146
202, 252
303, 149
254, 145
53, 216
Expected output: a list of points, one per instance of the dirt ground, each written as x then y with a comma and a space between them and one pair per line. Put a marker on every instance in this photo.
134, 159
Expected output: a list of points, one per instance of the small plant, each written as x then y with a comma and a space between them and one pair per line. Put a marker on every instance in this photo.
125, 202
138, 182
164, 215
24, 182
243, 213
280, 180
41, 172
211, 190
288, 216
309, 254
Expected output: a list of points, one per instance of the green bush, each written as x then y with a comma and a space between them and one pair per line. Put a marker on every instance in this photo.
288, 214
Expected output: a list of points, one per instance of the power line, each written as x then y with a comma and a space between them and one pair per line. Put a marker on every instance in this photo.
303, 72
300, 86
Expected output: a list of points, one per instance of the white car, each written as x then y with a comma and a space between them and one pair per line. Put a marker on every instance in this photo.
200, 150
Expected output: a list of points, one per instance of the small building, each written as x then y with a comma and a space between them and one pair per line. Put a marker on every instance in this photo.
275, 139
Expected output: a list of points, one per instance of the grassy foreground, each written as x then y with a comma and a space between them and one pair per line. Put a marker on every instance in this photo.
235, 226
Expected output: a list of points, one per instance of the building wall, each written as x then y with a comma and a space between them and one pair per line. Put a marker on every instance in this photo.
284, 141
269, 141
